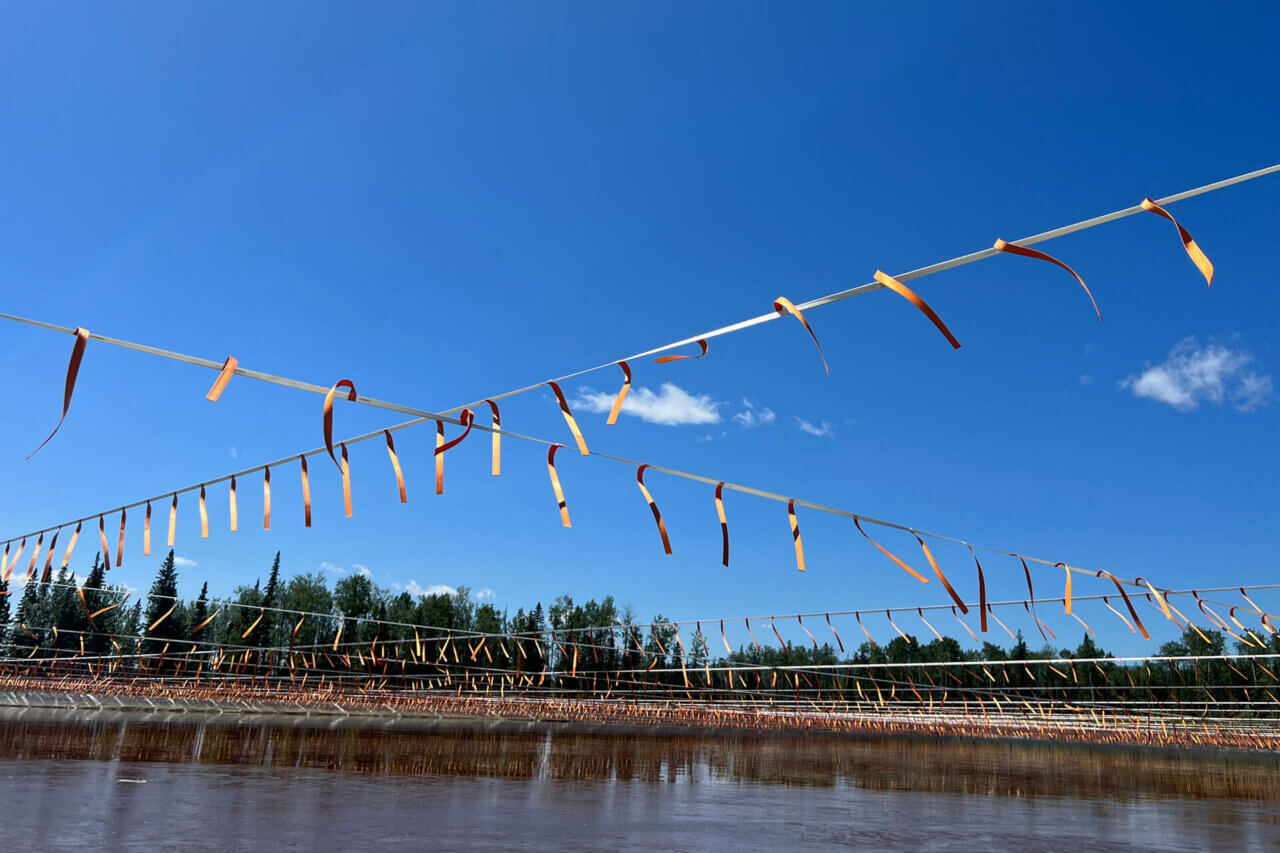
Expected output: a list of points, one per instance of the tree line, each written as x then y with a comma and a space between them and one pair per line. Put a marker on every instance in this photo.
581, 644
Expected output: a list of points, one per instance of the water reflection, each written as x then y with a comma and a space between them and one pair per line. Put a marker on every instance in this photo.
546, 751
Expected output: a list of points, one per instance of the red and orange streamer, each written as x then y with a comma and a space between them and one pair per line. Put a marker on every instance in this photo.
1013, 249
622, 394
724, 521
266, 498
306, 493
1197, 255
667, 359
795, 534
204, 515
885, 551
783, 305
653, 506
120, 541
231, 504
983, 609
555, 484
910, 295
1127, 603
964, 608
568, 418
224, 376
346, 480
173, 518
395, 466
496, 422
102, 535
146, 532
328, 414
75, 535
73, 370
48, 557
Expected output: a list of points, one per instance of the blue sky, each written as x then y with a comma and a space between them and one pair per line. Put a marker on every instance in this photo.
443, 203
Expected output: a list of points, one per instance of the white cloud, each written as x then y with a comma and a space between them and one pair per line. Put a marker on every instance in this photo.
330, 567
823, 430
485, 594
1193, 374
415, 589
753, 415
671, 405
184, 562
361, 570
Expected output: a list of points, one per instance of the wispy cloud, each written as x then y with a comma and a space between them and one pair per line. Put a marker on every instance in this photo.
361, 569
184, 562
822, 430
671, 405
1193, 374
235, 454
753, 415
485, 594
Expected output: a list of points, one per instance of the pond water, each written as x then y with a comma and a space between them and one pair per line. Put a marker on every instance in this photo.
118, 781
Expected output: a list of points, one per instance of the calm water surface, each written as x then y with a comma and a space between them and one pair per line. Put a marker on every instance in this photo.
111, 781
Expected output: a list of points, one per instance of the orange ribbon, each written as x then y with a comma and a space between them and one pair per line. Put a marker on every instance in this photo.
328, 414
983, 609
1012, 249
439, 458
1031, 609
568, 418
173, 518
653, 506
395, 466
120, 542
73, 370
306, 493
1127, 602
910, 295
146, 532
224, 376
346, 480
204, 515
235, 515
622, 394
724, 522
885, 551
156, 623
75, 535
261, 612
858, 617
102, 535
1198, 257
467, 418
783, 305
555, 484
667, 359
266, 498
35, 555
964, 608
497, 437
795, 534
48, 557
212, 616
839, 642
1066, 595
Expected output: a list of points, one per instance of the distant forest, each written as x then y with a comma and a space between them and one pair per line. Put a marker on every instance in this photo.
50, 620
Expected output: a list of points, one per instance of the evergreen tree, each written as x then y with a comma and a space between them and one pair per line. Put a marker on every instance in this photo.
270, 596
164, 599
200, 612
24, 637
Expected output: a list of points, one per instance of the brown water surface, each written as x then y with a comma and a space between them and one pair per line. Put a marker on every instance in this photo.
118, 781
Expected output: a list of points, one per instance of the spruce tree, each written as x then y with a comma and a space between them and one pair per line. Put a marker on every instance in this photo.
200, 612
162, 600
4, 612
28, 612
265, 629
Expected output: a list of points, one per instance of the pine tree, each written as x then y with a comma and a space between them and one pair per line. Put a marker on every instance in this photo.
163, 599
28, 612
200, 612
265, 629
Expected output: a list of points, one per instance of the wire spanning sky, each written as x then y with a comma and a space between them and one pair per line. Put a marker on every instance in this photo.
445, 203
